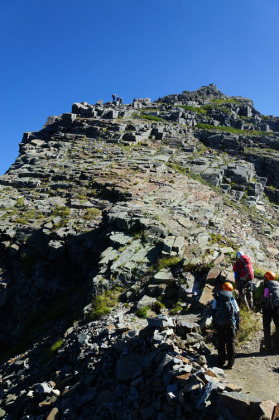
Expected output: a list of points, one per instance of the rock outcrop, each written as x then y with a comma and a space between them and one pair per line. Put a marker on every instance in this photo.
145, 205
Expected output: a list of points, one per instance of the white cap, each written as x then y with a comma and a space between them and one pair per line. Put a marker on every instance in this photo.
239, 254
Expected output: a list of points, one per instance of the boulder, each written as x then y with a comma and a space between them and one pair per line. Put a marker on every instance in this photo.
241, 405
146, 301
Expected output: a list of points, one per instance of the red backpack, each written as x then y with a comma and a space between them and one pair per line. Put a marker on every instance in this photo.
247, 267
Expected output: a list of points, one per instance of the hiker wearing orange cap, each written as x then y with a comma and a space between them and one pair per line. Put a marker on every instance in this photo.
270, 307
225, 313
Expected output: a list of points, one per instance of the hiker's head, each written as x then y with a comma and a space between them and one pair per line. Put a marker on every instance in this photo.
269, 275
227, 286
239, 254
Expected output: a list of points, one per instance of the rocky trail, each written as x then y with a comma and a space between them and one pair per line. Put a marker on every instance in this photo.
255, 371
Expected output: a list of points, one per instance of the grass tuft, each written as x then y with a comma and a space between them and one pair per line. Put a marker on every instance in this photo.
157, 307
91, 213
142, 313
51, 352
166, 262
259, 273
249, 323
231, 129
151, 117
103, 304
176, 309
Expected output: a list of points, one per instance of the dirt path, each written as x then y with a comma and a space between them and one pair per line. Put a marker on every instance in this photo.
256, 371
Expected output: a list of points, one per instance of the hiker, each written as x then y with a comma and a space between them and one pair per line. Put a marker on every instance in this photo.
225, 313
121, 101
244, 274
270, 307
113, 98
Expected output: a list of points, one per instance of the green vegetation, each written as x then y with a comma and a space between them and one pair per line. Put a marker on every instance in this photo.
249, 323
51, 352
25, 216
198, 269
21, 221
207, 107
220, 128
271, 187
178, 168
197, 177
157, 307
166, 262
61, 212
103, 304
142, 313
91, 214
258, 295
177, 307
82, 196
220, 239
192, 108
20, 202
189, 173
232, 130
141, 235
259, 273
151, 117
225, 101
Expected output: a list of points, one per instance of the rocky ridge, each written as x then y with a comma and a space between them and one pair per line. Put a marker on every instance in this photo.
149, 201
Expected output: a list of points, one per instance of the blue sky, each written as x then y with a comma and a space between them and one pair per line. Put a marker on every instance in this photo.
55, 53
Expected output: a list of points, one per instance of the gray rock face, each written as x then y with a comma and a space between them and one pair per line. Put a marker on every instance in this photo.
118, 198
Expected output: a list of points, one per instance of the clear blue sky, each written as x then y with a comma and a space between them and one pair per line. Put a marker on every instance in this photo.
55, 53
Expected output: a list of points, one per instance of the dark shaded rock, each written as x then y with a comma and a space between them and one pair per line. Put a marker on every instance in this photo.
128, 366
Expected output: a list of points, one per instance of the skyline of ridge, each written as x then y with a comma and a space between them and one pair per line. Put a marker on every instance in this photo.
55, 54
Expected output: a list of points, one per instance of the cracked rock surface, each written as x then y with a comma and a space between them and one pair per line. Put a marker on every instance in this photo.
141, 206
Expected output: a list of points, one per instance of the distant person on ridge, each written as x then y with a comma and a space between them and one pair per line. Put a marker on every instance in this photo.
225, 313
244, 274
113, 98
270, 305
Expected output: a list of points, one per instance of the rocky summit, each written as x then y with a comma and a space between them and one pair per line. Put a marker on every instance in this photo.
118, 222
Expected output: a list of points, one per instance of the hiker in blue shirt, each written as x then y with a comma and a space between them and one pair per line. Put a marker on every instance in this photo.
225, 313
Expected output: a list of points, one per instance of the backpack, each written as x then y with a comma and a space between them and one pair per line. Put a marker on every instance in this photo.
225, 314
273, 293
247, 267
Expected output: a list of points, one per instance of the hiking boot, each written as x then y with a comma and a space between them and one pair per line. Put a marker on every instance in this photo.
229, 366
